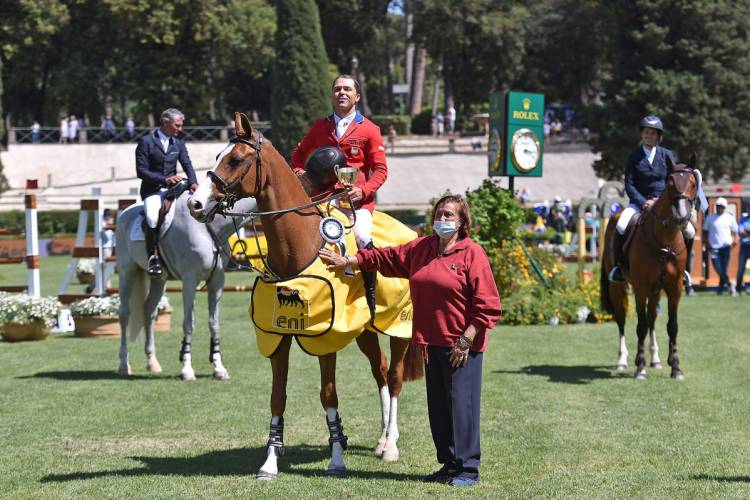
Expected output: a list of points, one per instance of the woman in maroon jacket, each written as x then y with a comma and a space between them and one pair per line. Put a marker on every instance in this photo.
455, 304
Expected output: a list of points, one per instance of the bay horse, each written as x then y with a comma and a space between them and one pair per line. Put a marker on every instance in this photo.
193, 255
657, 256
291, 226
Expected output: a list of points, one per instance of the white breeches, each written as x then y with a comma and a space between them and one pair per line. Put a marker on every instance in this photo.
622, 223
151, 205
363, 226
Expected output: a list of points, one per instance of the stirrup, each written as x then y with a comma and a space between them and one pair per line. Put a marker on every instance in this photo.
154, 266
687, 279
615, 275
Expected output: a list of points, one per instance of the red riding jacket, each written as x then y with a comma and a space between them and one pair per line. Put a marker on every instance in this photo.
362, 145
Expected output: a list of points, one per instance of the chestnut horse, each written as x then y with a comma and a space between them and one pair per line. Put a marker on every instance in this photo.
657, 256
254, 168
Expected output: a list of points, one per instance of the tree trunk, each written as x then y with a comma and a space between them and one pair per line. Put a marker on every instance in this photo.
409, 52
417, 87
365, 107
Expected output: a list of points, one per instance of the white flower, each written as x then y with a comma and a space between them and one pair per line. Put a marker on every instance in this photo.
582, 313
108, 306
86, 266
23, 309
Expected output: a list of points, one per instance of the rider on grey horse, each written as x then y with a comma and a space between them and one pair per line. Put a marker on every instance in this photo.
645, 179
156, 164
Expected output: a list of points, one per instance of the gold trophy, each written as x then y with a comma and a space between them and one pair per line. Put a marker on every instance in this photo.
347, 176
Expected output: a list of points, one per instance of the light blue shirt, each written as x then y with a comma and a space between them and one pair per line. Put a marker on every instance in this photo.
744, 225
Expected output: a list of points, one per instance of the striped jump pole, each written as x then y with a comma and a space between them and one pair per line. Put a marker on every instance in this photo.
32, 238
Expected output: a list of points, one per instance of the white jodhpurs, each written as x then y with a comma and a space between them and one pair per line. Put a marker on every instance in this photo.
622, 223
151, 205
362, 227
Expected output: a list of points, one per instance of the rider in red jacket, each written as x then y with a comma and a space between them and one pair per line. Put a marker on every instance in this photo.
362, 145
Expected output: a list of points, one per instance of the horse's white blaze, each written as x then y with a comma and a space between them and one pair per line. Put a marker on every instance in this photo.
203, 193
622, 363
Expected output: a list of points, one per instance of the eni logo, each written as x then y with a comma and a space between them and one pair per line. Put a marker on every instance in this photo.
526, 114
291, 311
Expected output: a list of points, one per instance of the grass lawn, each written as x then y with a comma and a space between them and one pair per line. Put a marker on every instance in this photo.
557, 419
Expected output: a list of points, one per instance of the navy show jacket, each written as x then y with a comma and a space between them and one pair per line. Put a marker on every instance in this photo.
644, 180
153, 165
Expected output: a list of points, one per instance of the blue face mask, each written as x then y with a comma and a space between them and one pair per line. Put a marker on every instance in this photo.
444, 228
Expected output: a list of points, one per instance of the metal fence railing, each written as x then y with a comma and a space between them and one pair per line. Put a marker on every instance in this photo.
95, 135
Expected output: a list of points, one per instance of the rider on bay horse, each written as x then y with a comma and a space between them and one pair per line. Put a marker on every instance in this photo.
362, 145
645, 179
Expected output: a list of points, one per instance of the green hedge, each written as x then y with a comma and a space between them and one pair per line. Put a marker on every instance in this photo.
50, 222
402, 123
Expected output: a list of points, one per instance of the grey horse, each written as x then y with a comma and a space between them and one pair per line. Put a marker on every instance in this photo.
192, 256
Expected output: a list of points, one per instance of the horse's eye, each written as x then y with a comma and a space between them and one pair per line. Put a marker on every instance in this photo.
235, 162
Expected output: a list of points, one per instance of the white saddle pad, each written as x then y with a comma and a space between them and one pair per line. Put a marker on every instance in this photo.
136, 230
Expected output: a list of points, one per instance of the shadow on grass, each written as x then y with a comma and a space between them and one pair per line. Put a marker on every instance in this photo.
721, 479
72, 375
235, 462
568, 374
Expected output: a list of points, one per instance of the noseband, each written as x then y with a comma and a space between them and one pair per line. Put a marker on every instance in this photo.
681, 179
226, 188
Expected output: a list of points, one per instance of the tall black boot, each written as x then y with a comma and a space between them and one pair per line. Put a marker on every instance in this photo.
153, 268
616, 274
370, 279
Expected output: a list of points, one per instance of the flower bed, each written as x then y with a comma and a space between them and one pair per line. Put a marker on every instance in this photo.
99, 316
23, 317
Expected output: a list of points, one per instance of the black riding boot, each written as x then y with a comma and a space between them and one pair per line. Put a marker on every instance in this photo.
152, 239
370, 279
616, 274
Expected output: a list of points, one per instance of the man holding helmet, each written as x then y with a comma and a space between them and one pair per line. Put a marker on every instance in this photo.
360, 142
645, 178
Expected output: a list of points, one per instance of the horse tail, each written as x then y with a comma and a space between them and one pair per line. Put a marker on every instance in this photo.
138, 292
414, 362
604, 296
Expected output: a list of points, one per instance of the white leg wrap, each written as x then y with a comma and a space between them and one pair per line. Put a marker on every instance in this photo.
390, 452
220, 372
654, 348
385, 410
187, 372
622, 363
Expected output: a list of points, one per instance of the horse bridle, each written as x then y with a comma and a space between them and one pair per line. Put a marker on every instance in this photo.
226, 188
680, 184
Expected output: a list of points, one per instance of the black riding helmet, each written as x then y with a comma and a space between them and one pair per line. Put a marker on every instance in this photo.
652, 121
321, 165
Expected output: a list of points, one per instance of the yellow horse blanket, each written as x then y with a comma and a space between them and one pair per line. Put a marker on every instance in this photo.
325, 310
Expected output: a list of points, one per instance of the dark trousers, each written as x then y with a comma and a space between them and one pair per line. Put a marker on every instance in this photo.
453, 397
720, 258
744, 255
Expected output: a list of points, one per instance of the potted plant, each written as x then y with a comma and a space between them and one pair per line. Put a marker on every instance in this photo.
97, 316
24, 317
100, 316
86, 271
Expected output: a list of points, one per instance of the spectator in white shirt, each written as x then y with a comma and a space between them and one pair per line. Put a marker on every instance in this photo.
720, 234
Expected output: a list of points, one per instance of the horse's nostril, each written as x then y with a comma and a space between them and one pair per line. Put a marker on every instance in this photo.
196, 205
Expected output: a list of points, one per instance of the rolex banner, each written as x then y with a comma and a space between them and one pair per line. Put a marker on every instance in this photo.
325, 310
516, 142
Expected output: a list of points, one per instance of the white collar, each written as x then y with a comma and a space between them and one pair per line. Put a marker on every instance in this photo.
162, 136
349, 117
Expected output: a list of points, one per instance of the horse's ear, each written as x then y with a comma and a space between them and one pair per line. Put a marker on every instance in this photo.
670, 163
242, 125
693, 160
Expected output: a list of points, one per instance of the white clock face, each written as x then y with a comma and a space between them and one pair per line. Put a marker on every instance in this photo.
525, 150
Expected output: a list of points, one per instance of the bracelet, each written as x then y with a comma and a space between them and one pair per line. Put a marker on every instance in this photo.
465, 342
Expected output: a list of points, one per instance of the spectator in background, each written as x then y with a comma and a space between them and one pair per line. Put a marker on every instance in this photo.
744, 232
130, 127
72, 129
547, 130
392, 137
108, 126
450, 117
64, 130
36, 133
440, 121
720, 235
525, 196
556, 128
